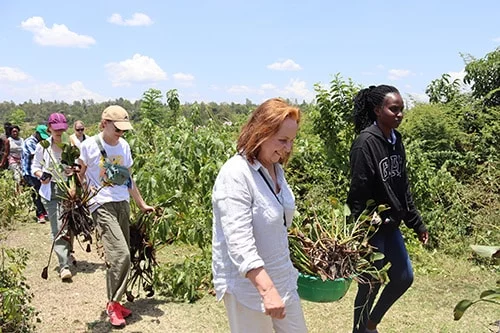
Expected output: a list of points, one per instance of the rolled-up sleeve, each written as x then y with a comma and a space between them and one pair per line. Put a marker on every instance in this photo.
232, 201
36, 164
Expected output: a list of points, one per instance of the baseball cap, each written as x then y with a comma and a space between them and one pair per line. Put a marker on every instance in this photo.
57, 122
42, 130
118, 116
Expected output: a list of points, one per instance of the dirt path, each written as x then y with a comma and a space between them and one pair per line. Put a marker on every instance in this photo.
78, 306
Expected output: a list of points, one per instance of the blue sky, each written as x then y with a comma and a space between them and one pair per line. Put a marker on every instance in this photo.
227, 51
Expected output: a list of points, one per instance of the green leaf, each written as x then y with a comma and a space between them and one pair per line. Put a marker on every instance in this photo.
370, 202
376, 256
381, 208
347, 210
460, 308
45, 144
491, 295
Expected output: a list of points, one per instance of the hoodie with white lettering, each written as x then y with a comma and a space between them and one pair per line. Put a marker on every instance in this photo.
378, 169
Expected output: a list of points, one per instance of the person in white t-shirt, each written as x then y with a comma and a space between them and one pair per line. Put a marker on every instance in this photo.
105, 161
252, 208
12, 155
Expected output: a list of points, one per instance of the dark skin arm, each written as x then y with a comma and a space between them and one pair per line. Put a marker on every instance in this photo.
6, 152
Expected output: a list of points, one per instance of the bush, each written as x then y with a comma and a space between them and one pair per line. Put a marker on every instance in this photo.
17, 315
13, 208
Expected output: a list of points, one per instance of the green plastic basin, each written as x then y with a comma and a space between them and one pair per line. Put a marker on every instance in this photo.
312, 288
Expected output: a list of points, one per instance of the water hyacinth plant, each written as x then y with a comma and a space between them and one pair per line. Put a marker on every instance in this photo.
143, 247
337, 247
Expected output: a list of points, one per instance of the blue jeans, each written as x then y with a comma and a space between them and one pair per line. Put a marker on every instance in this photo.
390, 242
35, 196
62, 244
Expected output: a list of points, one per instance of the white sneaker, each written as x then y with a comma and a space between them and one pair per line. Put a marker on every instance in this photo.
65, 274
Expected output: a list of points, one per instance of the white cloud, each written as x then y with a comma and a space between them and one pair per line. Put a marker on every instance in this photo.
240, 89
457, 75
294, 89
184, 79
417, 97
138, 19
287, 65
75, 91
460, 76
496, 40
12, 74
58, 35
297, 88
138, 69
396, 74
267, 86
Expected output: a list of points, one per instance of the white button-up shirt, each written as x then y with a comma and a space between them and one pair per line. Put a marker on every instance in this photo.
249, 231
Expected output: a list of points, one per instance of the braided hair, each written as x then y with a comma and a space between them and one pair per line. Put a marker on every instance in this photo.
365, 103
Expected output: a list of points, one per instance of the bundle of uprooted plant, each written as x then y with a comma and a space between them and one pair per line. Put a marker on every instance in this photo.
339, 248
142, 255
75, 217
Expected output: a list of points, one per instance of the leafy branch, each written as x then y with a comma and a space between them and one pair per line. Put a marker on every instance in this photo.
489, 296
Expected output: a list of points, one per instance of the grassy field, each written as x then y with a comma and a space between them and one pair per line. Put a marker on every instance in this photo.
78, 306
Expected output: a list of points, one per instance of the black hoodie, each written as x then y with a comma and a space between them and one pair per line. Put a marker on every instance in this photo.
378, 172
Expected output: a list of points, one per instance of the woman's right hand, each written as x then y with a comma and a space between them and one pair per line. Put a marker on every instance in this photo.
273, 304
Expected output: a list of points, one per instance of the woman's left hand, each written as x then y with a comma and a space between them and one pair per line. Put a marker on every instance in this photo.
424, 237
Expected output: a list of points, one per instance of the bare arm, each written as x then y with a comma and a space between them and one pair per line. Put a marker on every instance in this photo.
6, 151
273, 304
136, 195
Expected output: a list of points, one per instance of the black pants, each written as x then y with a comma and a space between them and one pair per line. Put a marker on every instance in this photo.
34, 183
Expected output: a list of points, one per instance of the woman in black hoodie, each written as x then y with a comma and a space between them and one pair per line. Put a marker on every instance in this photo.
378, 172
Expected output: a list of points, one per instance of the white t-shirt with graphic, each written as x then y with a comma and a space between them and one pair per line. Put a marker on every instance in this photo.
95, 174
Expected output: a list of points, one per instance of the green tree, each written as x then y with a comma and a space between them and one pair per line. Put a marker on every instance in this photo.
443, 90
152, 107
173, 104
17, 117
484, 76
332, 120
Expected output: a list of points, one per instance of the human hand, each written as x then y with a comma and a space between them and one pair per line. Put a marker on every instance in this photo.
424, 237
68, 170
147, 208
45, 178
76, 167
273, 304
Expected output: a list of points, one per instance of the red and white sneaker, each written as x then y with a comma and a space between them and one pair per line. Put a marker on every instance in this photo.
115, 314
125, 312
41, 219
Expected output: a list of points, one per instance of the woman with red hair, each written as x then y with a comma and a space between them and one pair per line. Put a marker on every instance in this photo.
253, 206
